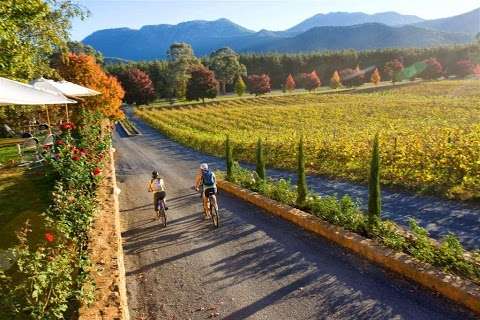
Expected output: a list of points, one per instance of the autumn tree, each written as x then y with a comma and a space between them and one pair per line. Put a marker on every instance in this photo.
181, 61
289, 83
240, 86
83, 70
463, 68
259, 84
312, 81
375, 78
202, 84
227, 67
30, 32
138, 86
433, 69
335, 81
393, 69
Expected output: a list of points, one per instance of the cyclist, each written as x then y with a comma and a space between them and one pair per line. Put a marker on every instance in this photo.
157, 186
207, 180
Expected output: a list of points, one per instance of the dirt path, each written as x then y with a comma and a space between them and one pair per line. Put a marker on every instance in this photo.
255, 266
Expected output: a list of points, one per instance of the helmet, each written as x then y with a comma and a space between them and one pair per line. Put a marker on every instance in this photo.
155, 174
204, 167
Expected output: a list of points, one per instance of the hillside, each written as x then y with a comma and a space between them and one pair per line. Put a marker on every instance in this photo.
465, 23
152, 42
337, 19
361, 37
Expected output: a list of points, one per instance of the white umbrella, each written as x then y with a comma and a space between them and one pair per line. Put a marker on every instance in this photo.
14, 92
64, 87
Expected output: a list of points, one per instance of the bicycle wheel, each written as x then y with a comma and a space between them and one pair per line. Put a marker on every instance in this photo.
163, 216
214, 211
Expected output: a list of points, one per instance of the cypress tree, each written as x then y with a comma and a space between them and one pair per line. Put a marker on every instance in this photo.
302, 180
229, 159
260, 161
374, 193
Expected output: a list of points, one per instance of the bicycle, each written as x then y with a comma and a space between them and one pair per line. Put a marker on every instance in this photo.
211, 209
162, 212
213, 205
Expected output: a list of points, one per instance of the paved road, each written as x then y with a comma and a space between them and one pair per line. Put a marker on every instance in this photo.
439, 216
254, 267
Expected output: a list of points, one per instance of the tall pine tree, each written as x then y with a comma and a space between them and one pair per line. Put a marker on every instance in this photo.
260, 160
302, 180
229, 159
374, 193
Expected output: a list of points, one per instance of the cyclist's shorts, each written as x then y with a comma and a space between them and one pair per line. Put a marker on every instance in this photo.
157, 196
210, 191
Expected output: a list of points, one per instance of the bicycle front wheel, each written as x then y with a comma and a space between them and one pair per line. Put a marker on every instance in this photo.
214, 211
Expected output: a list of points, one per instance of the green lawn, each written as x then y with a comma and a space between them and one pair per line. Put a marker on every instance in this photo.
24, 194
7, 154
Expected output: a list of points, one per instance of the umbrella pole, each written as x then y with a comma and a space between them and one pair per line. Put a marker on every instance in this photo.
66, 110
49, 124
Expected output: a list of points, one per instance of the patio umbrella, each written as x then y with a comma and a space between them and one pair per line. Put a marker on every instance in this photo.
14, 92
66, 88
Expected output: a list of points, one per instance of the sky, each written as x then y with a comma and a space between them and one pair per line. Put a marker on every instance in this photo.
254, 15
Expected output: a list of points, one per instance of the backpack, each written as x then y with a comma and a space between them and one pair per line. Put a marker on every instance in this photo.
208, 179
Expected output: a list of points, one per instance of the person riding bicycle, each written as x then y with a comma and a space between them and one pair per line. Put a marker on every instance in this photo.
207, 180
157, 186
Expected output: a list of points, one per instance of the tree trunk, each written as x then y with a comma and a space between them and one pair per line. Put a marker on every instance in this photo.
223, 85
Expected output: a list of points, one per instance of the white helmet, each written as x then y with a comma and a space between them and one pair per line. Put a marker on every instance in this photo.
204, 167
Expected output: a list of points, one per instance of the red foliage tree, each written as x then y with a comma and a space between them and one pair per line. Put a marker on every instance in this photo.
476, 71
259, 84
393, 69
433, 70
290, 83
312, 81
464, 68
138, 86
202, 84
83, 70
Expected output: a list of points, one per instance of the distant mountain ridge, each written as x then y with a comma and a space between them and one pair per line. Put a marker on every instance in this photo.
464, 23
338, 19
152, 41
361, 37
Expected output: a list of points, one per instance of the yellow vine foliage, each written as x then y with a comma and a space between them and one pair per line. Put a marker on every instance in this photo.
430, 142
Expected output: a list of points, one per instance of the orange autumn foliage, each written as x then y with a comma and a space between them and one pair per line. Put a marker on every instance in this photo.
83, 70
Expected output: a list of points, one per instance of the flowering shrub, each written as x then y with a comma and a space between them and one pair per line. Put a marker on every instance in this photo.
46, 279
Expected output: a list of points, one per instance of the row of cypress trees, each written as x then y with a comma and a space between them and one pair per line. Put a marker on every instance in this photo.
374, 192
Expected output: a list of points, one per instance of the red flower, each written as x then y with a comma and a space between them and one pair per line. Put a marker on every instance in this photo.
67, 126
49, 237
75, 158
96, 171
47, 146
59, 142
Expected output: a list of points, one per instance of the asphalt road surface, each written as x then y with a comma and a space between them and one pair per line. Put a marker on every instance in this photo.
254, 266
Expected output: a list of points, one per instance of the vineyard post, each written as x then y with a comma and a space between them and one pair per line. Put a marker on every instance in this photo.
374, 193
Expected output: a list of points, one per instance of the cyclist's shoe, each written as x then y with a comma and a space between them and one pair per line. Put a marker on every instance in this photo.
166, 208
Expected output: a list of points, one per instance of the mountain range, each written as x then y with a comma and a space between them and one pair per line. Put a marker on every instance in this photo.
338, 30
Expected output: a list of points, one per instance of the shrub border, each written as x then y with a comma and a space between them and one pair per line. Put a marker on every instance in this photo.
462, 291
